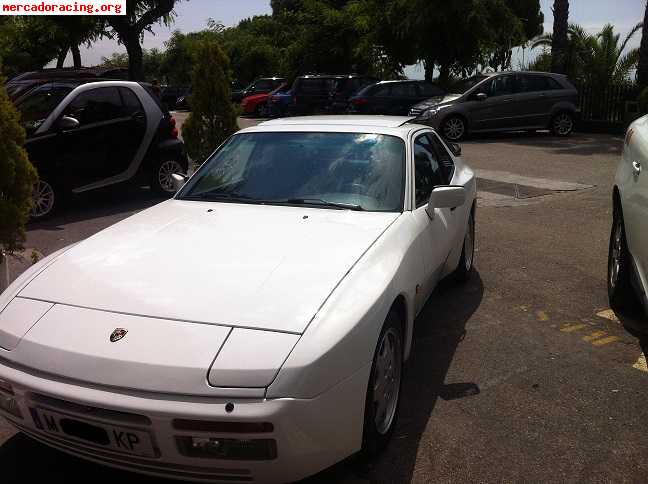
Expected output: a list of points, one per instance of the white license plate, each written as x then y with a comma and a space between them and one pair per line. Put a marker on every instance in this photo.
120, 439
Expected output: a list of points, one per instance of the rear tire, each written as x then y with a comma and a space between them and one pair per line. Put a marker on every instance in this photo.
620, 291
562, 124
466, 262
384, 388
161, 181
46, 199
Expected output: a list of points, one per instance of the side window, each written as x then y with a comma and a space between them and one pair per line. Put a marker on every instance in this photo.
261, 86
445, 160
553, 84
429, 90
95, 106
382, 91
427, 170
534, 83
37, 106
131, 103
501, 86
404, 89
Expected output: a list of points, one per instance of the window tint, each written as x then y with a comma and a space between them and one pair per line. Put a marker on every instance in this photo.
501, 86
37, 106
445, 160
95, 106
382, 90
429, 90
427, 168
553, 84
316, 86
131, 103
535, 83
404, 89
263, 85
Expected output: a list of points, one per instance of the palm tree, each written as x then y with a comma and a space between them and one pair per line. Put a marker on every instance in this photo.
642, 70
560, 35
599, 58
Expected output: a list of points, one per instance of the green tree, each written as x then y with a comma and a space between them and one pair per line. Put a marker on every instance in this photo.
642, 69
17, 178
559, 39
26, 44
212, 117
70, 32
140, 16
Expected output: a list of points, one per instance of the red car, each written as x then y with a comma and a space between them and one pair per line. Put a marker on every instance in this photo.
257, 104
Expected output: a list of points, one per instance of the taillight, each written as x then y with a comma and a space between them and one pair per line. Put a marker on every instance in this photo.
359, 101
294, 99
174, 129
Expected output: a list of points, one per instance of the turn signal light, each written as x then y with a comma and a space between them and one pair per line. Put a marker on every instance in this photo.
227, 449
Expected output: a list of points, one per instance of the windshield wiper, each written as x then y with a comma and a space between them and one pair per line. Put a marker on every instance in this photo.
219, 197
324, 203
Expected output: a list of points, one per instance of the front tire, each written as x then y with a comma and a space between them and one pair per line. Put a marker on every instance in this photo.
454, 128
384, 389
161, 181
467, 260
620, 292
562, 124
45, 199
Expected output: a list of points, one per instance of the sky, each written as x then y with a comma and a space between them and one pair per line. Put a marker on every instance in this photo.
192, 15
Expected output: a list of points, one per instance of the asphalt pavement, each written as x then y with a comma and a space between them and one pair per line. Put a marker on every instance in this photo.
521, 375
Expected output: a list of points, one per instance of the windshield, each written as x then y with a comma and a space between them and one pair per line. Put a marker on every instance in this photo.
355, 171
37, 106
465, 85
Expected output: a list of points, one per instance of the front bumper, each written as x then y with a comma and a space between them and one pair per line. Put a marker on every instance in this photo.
310, 435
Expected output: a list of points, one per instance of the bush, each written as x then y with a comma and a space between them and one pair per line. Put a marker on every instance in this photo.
17, 177
643, 101
212, 119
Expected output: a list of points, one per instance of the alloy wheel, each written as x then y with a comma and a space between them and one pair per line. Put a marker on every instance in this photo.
614, 265
386, 380
165, 172
43, 198
454, 128
563, 124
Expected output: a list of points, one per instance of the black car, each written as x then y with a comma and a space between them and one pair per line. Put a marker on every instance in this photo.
171, 94
345, 88
392, 97
84, 135
260, 86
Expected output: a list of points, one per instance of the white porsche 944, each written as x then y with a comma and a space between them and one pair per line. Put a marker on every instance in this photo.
254, 327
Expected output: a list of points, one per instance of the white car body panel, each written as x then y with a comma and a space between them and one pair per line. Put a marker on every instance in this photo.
273, 310
633, 192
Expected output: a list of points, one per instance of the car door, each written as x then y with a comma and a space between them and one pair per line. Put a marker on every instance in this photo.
380, 99
404, 95
436, 232
498, 109
107, 138
532, 100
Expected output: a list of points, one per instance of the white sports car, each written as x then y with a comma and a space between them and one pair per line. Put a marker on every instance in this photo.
274, 346
628, 254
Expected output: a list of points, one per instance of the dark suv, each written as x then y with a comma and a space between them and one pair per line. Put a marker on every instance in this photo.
392, 97
324, 92
263, 85
507, 101
84, 135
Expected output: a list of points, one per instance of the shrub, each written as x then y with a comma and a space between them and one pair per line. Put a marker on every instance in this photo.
212, 118
17, 177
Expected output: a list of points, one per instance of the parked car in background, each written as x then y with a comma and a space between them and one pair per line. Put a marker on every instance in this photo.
345, 87
83, 135
257, 104
279, 101
263, 85
289, 361
171, 94
628, 252
507, 101
392, 97
311, 94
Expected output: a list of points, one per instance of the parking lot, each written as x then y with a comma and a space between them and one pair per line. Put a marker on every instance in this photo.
522, 375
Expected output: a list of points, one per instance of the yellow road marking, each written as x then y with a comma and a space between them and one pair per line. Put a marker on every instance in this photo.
542, 316
641, 364
594, 335
570, 328
604, 341
608, 314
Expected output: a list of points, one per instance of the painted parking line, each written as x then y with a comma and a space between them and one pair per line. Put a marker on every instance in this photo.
641, 364
570, 328
544, 183
605, 341
608, 314
594, 335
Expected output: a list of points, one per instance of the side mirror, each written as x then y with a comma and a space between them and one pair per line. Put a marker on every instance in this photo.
446, 197
481, 96
455, 148
67, 123
178, 181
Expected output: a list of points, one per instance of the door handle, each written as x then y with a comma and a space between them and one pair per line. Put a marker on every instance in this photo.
636, 168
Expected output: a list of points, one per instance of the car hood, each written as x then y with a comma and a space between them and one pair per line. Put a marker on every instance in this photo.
248, 266
436, 101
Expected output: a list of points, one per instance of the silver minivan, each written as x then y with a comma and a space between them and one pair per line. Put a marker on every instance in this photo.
503, 101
